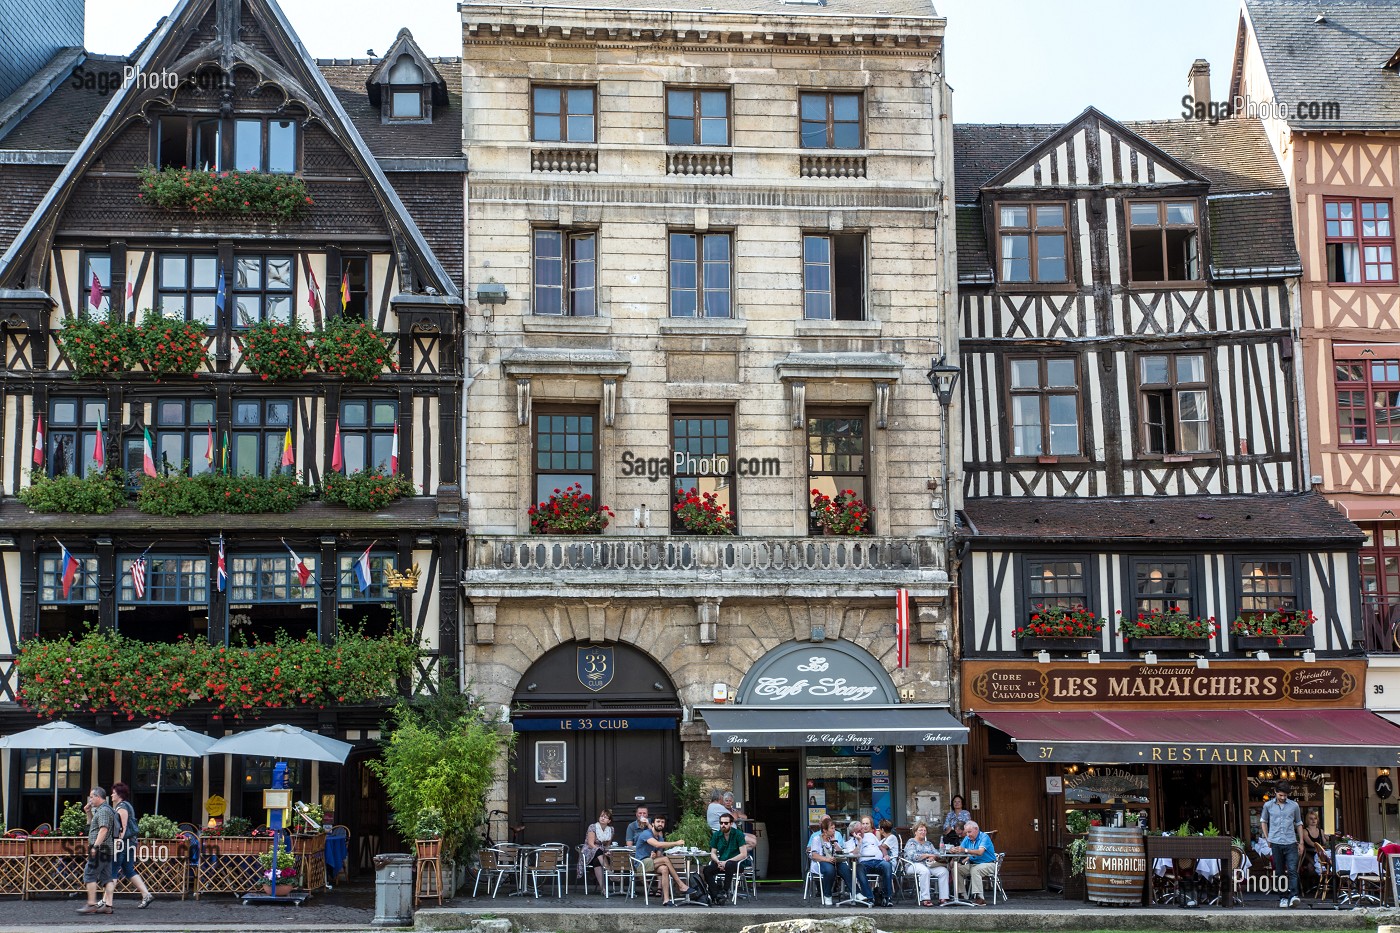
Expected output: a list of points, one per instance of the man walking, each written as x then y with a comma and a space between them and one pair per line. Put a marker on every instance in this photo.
98, 870
1281, 825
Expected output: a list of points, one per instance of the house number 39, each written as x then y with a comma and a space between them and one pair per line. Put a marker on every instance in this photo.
1378, 688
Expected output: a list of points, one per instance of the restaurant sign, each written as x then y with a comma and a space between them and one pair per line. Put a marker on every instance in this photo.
833, 673
991, 685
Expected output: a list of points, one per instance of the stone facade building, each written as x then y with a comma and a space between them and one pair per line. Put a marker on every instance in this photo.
708, 243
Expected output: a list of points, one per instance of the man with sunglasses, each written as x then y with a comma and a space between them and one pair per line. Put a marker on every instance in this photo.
727, 852
1281, 824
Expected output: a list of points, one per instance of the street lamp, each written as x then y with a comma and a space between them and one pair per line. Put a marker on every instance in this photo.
943, 379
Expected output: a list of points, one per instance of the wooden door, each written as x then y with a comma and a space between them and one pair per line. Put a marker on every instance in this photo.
1019, 821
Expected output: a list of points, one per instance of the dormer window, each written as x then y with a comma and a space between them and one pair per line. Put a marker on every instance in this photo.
210, 143
405, 85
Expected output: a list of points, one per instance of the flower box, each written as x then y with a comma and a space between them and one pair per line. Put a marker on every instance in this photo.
235, 845
1301, 642
1168, 643
1063, 643
164, 864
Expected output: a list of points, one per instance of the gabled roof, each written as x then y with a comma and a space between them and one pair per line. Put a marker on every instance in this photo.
404, 45
1347, 58
441, 139
291, 67
1090, 117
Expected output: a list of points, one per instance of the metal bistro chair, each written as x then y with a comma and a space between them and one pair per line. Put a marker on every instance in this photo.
551, 864
997, 889
579, 866
619, 868
744, 881
493, 862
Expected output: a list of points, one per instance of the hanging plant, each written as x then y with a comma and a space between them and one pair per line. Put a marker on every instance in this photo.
95, 346
170, 347
353, 349
278, 349
254, 193
365, 490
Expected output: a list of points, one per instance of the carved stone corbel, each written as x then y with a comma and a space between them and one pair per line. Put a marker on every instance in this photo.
797, 403
882, 403
522, 402
707, 615
931, 626
484, 620
609, 402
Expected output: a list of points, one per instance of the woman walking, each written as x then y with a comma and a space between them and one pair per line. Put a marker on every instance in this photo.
126, 833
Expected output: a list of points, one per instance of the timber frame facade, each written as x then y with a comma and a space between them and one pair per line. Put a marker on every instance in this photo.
79, 240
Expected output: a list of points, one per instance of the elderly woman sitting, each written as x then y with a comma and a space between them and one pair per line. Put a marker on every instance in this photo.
922, 855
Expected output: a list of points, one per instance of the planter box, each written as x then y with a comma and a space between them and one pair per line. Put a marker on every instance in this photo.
230, 864
1168, 643
1075, 889
55, 864
164, 864
1037, 643
1301, 642
14, 867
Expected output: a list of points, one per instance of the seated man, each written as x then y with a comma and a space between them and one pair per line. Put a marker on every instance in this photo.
983, 861
872, 857
635, 827
651, 855
727, 852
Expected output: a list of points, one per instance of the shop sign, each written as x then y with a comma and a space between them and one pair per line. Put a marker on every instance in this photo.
595, 724
820, 674
595, 666
1007, 685
1202, 754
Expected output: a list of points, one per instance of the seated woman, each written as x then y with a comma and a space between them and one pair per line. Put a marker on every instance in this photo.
822, 851
1317, 854
952, 821
922, 855
595, 844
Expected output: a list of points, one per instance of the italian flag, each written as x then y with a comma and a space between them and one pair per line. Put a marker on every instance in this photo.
148, 459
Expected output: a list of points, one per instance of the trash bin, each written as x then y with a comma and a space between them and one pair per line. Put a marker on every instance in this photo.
393, 889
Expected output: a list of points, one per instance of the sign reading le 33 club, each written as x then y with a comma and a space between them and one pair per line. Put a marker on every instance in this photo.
595, 666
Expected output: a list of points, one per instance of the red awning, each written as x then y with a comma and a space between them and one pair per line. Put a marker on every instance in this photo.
1233, 737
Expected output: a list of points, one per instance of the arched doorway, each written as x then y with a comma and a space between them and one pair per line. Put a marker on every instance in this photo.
597, 728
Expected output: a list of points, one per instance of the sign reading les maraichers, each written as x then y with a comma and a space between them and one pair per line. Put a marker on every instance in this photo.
1007, 685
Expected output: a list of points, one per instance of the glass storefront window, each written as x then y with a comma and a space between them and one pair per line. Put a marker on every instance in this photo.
1097, 791
841, 784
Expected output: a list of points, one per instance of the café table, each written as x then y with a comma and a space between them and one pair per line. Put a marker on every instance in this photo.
1354, 863
954, 855
337, 852
851, 861
694, 859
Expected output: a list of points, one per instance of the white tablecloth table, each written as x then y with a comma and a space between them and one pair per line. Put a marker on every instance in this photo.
1358, 864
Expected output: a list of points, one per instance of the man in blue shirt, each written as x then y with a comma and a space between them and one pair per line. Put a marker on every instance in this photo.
1281, 824
982, 862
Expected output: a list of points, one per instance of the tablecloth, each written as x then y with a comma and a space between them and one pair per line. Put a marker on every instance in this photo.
1358, 864
337, 851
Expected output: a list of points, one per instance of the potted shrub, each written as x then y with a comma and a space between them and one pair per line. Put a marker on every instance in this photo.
428, 833
1167, 629
1060, 628
286, 875
1291, 629
842, 514
702, 514
97, 346
570, 511
281, 197
365, 490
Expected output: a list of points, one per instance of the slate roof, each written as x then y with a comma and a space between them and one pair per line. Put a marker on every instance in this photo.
437, 203
66, 115
1251, 226
22, 187
440, 139
1340, 59
1291, 518
908, 8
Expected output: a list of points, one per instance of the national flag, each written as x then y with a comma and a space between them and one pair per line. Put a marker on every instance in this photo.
99, 448
225, 455
130, 284
362, 570
148, 457
901, 627
313, 294
219, 293
95, 292
138, 577
209, 448
337, 452
221, 575
39, 442
303, 571
394, 453
67, 568
344, 290
288, 457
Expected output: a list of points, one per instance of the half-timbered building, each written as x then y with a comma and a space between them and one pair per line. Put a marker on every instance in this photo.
1131, 444
1326, 83
226, 86
708, 253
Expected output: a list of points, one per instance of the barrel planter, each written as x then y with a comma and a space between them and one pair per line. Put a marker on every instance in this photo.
1115, 865
55, 864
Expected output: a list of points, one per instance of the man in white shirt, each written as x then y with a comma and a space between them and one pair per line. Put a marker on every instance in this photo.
872, 857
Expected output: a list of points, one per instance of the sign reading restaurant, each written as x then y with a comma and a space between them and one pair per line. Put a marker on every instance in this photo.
1009, 685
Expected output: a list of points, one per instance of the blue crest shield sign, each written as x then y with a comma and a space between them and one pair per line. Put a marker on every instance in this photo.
595, 666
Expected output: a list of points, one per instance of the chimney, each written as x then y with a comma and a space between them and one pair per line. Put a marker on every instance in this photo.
1198, 81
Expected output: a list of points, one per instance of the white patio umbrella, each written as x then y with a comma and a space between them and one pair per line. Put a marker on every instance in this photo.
51, 736
281, 742
159, 739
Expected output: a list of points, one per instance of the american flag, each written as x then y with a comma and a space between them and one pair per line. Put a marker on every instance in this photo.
138, 577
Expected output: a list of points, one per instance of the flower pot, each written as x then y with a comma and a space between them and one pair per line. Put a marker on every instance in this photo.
281, 890
1301, 642
1064, 643
1075, 889
429, 848
1167, 643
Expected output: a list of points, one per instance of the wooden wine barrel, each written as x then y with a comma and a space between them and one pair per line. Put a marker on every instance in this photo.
1115, 865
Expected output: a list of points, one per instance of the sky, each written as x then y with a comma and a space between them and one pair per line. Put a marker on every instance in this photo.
1008, 61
